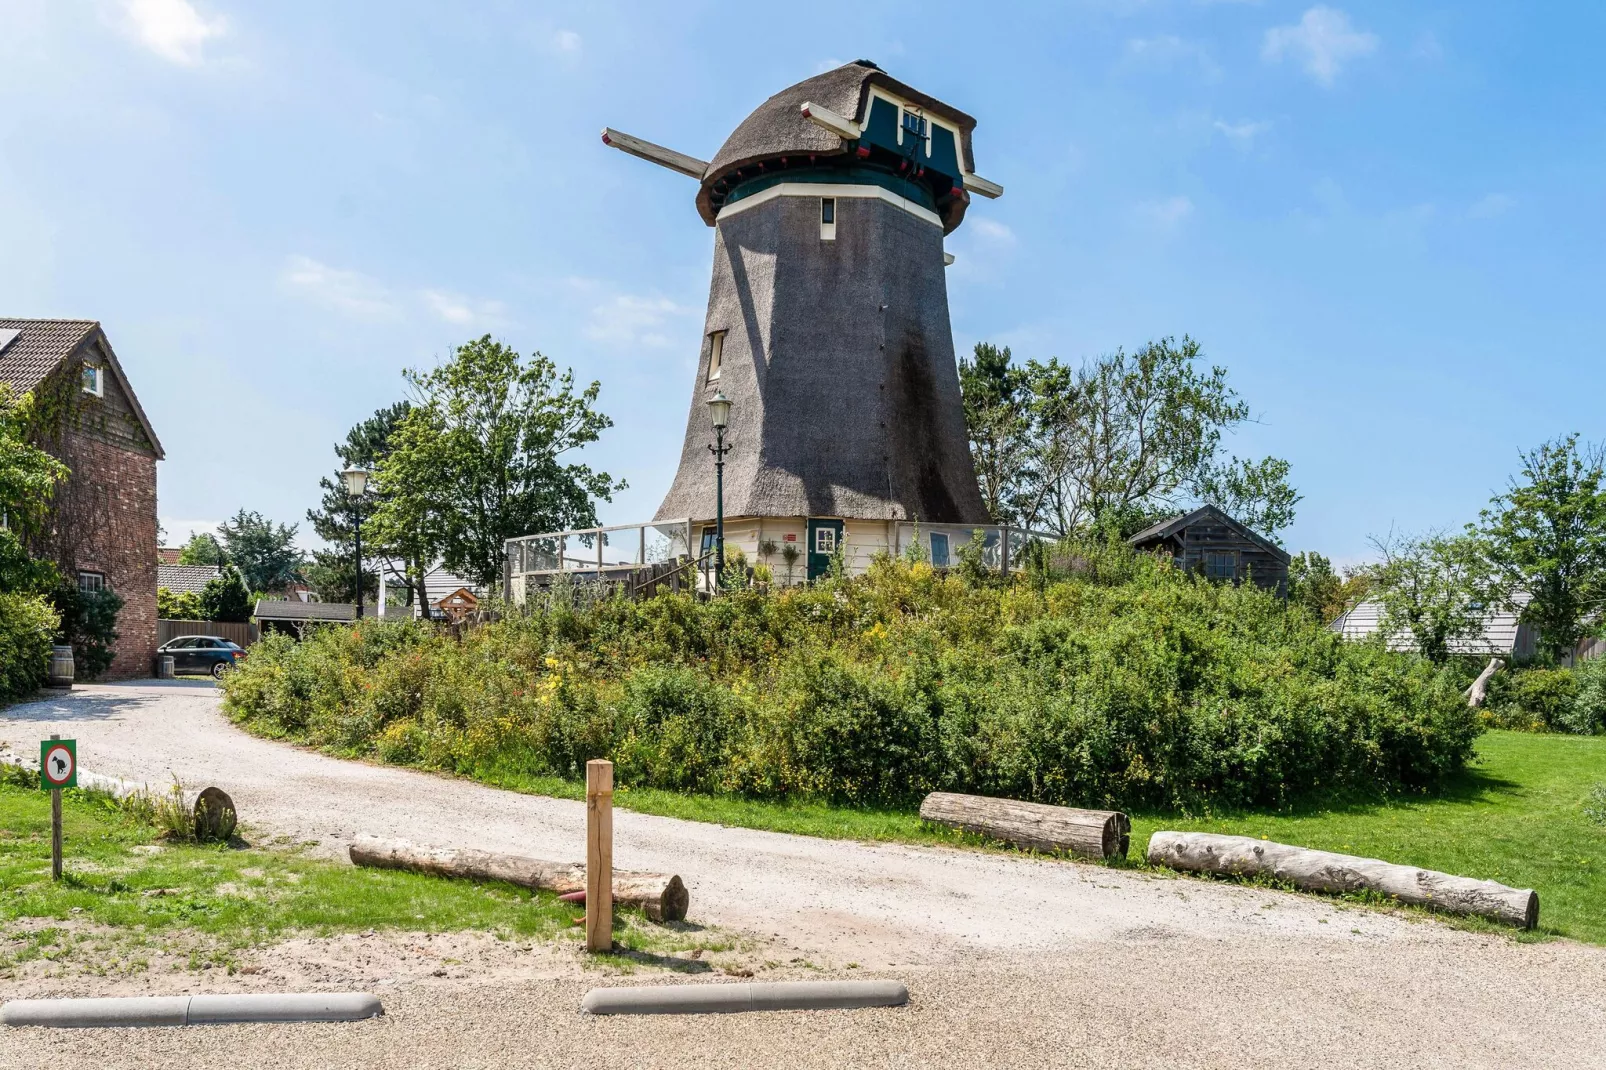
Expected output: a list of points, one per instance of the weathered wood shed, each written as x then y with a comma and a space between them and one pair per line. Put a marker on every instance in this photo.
1210, 542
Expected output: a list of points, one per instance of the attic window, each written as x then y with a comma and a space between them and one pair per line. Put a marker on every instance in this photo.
1221, 566
716, 354
94, 381
827, 218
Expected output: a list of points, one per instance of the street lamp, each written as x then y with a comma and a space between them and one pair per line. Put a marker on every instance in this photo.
719, 412
356, 481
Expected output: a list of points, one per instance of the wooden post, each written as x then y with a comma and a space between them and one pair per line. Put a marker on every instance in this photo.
55, 828
599, 855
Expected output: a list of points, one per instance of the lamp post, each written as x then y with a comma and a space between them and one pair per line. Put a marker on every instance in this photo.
356, 481
719, 412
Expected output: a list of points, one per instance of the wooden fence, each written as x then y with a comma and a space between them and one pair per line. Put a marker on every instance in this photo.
243, 634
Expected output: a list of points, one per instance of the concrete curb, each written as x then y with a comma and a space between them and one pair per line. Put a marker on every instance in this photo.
732, 998
190, 1010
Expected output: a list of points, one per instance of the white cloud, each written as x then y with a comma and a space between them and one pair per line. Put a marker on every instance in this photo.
455, 308
632, 320
991, 230
173, 29
1491, 205
1324, 40
1167, 213
348, 292
566, 41
1168, 50
1242, 133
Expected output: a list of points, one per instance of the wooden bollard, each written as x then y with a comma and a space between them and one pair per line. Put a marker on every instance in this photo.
599, 855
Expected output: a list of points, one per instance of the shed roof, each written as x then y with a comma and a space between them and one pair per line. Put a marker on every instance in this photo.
1499, 634
1182, 521
30, 349
284, 609
186, 578
778, 128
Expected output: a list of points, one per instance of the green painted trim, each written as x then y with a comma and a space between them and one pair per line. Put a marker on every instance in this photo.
857, 175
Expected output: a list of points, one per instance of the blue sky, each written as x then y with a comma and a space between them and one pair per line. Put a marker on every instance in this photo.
1387, 220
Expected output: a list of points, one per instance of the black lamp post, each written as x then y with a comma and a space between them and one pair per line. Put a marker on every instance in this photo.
356, 481
719, 411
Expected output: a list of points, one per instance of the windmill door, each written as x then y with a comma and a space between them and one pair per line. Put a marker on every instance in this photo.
824, 537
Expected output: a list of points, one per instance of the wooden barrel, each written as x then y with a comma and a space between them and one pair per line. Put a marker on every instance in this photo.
61, 670
164, 667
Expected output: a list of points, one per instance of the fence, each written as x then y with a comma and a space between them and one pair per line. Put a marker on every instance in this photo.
606, 554
241, 634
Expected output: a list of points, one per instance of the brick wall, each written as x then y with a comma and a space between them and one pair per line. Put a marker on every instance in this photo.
105, 521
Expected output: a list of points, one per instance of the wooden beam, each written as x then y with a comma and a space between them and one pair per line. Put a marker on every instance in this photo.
689, 166
978, 184
599, 855
826, 119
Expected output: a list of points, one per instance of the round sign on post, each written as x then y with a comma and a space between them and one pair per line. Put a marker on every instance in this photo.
58, 764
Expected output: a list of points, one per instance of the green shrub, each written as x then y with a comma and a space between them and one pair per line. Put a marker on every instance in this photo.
178, 605
1587, 714
28, 625
88, 621
1533, 700
1124, 683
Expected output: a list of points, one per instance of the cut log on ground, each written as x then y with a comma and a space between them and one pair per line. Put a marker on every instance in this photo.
212, 808
1323, 871
1480, 687
661, 897
1087, 833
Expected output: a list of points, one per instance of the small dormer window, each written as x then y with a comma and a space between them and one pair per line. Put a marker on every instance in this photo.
94, 380
716, 354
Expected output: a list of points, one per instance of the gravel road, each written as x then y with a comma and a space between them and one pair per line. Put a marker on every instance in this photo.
1011, 961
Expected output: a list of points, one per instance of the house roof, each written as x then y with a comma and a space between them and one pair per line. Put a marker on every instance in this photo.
31, 349
1499, 633
283, 609
778, 127
1167, 528
186, 578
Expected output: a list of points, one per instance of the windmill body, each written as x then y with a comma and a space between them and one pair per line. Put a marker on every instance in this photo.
828, 325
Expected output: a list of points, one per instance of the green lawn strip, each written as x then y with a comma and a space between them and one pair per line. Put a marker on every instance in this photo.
220, 899
1516, 817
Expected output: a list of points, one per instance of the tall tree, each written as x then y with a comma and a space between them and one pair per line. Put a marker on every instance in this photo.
1255, 492
1546, 535
1435, 589
202, 549
480, 458
264, 552
998, 407
28, 480
400, 552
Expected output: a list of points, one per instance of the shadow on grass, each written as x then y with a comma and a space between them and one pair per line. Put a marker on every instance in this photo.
621, 956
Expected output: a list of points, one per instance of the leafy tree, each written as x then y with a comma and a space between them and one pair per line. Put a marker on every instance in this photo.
88, 625
1435, 589
263, 551
479, 459
1116, 443
1546, 535
998, 417
1314, 585
28, 480
178, 605
202, 549
333, 571
225, 598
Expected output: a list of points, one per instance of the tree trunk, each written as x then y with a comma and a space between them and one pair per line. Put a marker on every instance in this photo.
660, 897
1480, 687
1323, 871
213, 809
1087, 833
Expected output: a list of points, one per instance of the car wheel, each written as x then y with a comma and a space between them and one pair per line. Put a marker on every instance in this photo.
219, 669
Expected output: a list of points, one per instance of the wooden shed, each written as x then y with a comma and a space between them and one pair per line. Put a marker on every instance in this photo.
1210, 542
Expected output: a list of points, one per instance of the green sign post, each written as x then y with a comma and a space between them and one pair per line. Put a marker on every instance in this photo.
58, 768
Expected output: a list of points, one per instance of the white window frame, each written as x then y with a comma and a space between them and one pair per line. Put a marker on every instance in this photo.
96, 376
96, 581
825, 533
828, 229
716, 354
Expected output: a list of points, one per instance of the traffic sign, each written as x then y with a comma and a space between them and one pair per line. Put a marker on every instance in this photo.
58, 764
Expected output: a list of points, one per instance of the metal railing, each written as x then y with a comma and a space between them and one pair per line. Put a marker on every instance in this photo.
602, 554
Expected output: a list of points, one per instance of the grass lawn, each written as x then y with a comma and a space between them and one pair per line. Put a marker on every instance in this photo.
216, 900
1516, 817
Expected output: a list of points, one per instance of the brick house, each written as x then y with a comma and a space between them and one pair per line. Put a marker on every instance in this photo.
103, 530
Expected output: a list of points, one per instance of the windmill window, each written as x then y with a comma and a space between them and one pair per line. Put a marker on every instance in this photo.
827, 218
716, 354
1221, 566
939, 550
94, 381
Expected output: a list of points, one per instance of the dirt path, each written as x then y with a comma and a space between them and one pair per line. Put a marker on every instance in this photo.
1208, 973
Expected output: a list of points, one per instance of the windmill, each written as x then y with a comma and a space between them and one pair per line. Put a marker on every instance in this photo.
827, 323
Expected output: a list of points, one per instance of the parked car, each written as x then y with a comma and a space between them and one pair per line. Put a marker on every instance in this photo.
202, 653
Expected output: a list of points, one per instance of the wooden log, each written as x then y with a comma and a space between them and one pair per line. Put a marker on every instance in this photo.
1480, 687
213, 809
1086, 833
660, 897
1324, 871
